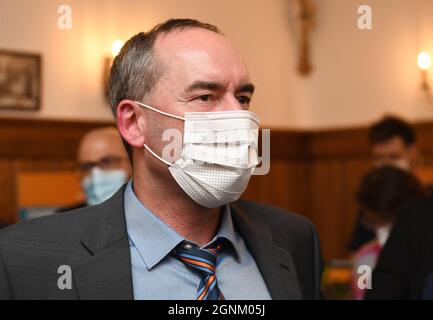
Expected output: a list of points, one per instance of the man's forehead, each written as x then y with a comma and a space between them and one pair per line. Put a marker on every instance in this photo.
190, 37
101, 142
196, 45
203, 53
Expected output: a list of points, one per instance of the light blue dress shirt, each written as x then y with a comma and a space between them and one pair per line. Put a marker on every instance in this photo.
157, 274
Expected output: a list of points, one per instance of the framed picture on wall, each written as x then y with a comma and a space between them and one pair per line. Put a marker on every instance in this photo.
20, 81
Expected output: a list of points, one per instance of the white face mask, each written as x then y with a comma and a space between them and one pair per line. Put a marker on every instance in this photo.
382, 234
402, 164
99, 185
218, 157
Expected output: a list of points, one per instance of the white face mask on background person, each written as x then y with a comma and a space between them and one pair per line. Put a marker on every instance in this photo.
382, 234
218, 157
99, 185
402, 164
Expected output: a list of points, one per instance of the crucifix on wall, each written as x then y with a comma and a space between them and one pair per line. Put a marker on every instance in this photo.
304, 13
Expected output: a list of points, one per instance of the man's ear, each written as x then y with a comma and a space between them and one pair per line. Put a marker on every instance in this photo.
130, 127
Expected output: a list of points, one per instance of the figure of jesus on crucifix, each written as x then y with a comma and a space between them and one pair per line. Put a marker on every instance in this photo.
304, 12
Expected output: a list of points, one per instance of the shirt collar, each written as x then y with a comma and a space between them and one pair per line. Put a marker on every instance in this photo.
154, 239
227, 231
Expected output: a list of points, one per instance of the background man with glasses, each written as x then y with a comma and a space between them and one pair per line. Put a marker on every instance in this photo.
102, 164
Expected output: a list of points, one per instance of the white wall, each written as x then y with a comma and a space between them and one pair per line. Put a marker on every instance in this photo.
362, 74
358, 76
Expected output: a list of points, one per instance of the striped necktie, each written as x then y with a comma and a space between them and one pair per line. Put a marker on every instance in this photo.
202, 261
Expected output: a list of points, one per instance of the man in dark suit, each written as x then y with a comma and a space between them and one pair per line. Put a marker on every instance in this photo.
406, 261
177, 230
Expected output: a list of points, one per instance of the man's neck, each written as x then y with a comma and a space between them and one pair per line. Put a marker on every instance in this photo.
177, 210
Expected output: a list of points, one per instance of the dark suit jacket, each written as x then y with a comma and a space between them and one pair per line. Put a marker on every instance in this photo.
428, 288
361, 234
94, 243
72, 207
407, 258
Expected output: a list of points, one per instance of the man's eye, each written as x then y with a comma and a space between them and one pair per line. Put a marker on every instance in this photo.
244, 100
205, 98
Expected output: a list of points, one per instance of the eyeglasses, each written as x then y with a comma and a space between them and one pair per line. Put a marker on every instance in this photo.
105, 163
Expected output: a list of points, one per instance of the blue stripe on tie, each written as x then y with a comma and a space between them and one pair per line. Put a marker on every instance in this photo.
214, 294
202, 285
211, 287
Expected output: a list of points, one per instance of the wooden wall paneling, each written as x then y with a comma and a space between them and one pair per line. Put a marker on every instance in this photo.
285, 186
326, 205
425, 137
31, 139
353, 171
48, 189
8, 198
287, 183
296, 187
50, 164
290, 145
341, 143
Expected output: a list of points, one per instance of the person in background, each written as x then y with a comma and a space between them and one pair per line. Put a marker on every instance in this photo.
392, 142
405, 267
103, 166
382, 192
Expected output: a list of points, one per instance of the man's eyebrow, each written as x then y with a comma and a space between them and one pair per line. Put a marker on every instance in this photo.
247, 88
209, 85
204, 85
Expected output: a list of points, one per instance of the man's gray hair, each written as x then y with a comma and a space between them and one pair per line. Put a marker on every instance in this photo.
135, 70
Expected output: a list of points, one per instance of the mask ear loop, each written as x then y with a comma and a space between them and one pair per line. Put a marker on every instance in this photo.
157, 157
159, 111
166, 114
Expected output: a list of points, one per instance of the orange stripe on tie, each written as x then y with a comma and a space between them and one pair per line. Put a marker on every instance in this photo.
208, 283
198, 263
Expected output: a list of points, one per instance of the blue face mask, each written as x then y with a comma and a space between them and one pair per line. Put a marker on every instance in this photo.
100, 184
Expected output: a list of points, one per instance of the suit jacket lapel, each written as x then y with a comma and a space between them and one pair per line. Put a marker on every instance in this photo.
106, 272
275, 264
